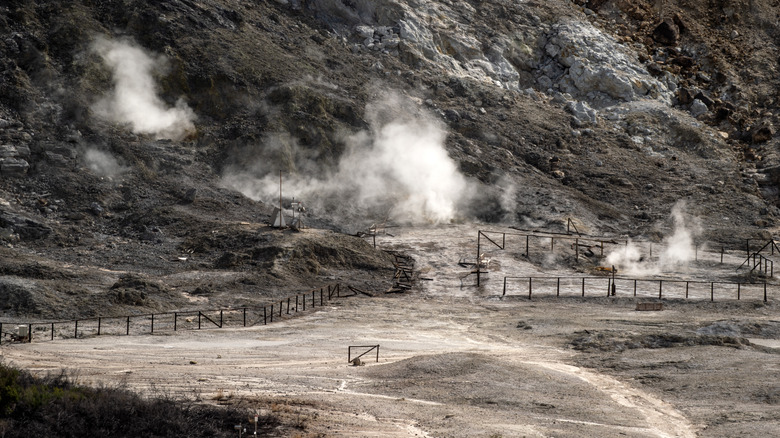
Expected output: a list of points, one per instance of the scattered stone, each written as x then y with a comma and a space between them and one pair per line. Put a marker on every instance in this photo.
666, 33
583, 114
26, 228
189, 195
55, 159
705, 99
364, 31
685, 96
698, 108
761, 133
13, 167
8, 151
452, 115
96, 208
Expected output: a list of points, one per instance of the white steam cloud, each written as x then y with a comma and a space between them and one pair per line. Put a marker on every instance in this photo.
678, 248
103, 163
134, 99
398, 169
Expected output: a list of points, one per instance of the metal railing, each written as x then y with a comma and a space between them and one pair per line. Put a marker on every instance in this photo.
614, 286
171, 321
369, 347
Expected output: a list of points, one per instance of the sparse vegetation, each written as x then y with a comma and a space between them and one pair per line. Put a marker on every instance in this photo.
56, 406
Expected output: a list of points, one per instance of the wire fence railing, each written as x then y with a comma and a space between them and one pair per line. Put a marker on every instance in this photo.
151, 323
661, 288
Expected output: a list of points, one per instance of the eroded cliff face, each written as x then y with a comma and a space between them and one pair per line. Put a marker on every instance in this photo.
136, 122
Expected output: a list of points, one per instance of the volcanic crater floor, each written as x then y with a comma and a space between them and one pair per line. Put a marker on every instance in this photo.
460, 360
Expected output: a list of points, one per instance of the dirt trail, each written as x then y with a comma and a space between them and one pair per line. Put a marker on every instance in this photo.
453, 362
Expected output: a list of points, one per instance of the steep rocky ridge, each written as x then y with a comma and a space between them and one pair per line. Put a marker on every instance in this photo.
605, 111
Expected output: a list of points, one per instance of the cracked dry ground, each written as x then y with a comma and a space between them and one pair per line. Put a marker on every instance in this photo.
461, 362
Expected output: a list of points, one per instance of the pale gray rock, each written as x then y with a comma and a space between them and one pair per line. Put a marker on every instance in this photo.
599, 69
13, 166
364, 31
698, 108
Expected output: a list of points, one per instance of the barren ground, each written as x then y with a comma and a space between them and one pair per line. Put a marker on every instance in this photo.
459, 361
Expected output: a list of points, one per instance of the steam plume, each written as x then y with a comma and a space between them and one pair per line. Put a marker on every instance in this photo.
102, 163
679, 248
134, 99
397, 169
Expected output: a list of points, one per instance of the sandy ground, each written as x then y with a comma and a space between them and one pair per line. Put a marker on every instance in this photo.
460, 361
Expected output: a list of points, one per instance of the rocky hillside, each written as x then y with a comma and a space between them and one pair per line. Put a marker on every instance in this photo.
132, 130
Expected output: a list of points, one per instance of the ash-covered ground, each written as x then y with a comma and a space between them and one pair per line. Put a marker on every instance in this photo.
141, 147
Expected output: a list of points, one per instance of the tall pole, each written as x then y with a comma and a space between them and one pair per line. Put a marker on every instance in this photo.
280, 199
479, 234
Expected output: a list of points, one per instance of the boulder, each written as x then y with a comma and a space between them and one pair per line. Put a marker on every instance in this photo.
13, 166
364, 31
8, 151
698, 108
26, 228
666, 33
761, 133
583, 114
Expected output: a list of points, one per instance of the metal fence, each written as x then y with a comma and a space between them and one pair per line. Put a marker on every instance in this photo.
638, 287
169, 321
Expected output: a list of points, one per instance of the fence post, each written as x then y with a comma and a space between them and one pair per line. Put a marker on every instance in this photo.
583, 286
552, 244
272, 312
504, 294
602, 249
576, 249
609, 285
686, 290
29, 333
765, 291
128, 326
558, 288
338, 290
321, 300
313, 303
739, 290
747, 247
530, 286
721, 255
712, 291
152, 322
244, 310
479, 234
527, 254
1, 333
198, 319
288, 305
52, 330
281, 305
76, 332
100, 320
296, 303
220, 318
304, 301
660, 288
634, 287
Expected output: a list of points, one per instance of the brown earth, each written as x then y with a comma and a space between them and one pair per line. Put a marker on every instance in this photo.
461, 361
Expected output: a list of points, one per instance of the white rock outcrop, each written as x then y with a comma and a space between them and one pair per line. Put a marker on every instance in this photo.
598, 69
